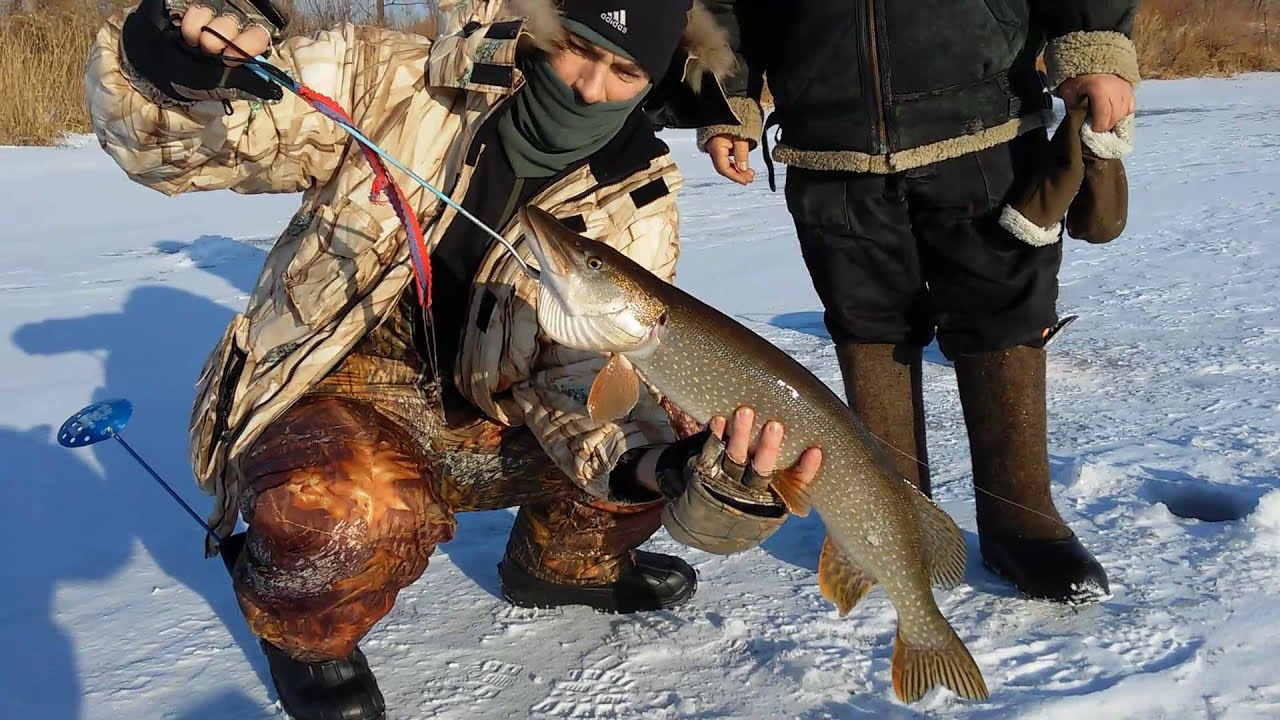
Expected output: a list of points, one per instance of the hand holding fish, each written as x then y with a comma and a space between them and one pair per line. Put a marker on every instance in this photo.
716, 481
764, 458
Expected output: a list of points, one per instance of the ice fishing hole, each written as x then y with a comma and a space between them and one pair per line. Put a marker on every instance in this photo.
1195, 499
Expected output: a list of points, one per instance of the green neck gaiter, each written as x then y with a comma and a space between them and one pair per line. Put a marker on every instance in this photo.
546, 127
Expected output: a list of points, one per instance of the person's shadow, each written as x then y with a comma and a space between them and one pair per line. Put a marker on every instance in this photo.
63, 524
153, 350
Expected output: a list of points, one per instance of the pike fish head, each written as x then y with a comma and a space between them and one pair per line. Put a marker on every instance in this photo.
591, 296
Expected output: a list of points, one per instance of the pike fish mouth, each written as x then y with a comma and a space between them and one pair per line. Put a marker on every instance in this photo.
554, 262
585, 313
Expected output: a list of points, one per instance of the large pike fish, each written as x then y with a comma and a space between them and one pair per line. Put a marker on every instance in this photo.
880, 528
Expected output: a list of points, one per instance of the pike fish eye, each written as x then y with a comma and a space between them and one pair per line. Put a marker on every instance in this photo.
595, 263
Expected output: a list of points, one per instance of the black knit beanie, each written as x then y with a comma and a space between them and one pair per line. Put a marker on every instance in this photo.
648, 30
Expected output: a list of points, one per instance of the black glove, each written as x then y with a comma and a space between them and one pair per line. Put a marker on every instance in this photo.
154, 48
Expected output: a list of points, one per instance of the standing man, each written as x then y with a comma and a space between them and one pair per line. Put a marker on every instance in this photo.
911, 130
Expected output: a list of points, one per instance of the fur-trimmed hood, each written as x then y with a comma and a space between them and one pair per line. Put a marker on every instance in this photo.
705, 44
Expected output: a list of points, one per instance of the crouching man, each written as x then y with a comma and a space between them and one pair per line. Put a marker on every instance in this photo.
346, 425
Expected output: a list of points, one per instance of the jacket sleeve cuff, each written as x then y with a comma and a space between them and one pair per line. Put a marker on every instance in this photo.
1091, 51
1021, 227
750, 129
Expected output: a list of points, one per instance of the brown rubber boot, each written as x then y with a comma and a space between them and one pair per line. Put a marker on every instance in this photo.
1021, 534
883, 385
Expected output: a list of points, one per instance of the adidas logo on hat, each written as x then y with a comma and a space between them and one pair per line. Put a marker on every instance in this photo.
617, 18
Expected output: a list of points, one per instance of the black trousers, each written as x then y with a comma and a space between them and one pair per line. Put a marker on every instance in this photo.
901, 258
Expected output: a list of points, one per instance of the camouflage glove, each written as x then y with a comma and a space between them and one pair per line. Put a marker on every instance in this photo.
155, 52
715, 504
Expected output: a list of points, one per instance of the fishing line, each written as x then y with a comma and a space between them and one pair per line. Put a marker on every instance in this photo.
1024, 507
985, 491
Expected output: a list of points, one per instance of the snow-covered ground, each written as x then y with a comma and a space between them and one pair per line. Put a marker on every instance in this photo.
1164, 408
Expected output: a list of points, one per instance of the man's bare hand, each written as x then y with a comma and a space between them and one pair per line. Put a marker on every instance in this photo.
1111, 98
730, 156
763, 453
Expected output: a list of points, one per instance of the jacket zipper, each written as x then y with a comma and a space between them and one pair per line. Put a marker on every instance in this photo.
877, 88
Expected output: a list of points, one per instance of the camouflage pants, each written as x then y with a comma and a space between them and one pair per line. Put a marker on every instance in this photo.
349, 492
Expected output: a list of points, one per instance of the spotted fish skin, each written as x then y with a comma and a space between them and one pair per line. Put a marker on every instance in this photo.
881, 529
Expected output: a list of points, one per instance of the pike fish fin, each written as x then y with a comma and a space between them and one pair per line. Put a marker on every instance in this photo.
793, 493
917, 669
616, 390
943, 543
840, 579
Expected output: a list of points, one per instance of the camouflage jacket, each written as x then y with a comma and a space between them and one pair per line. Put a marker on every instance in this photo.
342, 264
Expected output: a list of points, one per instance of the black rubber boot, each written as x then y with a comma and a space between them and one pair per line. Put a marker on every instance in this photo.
653, 582
1020, 532
332, 690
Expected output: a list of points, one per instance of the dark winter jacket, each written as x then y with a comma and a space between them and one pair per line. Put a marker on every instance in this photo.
886, 85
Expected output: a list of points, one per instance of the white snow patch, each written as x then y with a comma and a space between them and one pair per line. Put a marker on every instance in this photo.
1266, 523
